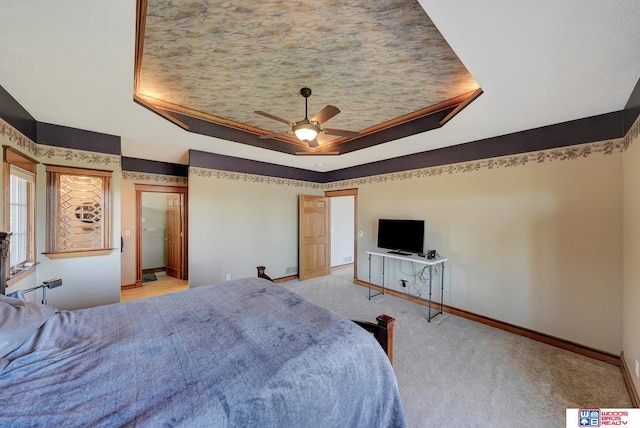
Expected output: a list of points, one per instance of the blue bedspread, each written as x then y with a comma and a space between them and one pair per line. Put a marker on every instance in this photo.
244, 353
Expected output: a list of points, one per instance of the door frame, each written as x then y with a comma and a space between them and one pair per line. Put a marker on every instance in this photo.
354, 193
150, 188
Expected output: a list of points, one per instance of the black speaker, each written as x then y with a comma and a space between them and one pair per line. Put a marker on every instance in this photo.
431, 254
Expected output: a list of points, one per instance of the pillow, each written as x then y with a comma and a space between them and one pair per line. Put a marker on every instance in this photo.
19, 320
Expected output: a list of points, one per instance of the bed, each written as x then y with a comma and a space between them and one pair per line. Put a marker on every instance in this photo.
243, 353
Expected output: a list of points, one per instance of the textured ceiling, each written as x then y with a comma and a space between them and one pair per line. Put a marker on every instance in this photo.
221, 61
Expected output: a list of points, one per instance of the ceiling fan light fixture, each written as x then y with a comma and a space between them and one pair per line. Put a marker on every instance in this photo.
305, 130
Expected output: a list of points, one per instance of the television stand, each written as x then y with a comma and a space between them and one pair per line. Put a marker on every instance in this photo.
399, 253
429, 263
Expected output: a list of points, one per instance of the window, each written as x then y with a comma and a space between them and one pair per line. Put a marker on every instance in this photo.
20, 213
78, 210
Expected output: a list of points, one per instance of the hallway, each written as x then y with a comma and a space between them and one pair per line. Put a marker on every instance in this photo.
162, 285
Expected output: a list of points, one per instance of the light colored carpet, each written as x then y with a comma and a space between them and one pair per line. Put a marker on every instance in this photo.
453, 372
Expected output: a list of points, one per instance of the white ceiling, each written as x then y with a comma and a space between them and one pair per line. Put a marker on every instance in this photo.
71, 63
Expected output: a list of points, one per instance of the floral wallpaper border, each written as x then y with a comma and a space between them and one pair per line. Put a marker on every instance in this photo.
155, 178
40, 151
606, 147
251, 178
84, 157
566, 153
18, 138
632, 134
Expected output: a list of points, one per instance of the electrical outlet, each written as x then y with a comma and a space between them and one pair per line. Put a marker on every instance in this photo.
637, 369
228, 276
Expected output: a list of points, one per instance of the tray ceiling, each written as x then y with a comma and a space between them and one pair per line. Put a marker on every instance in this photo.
380, 63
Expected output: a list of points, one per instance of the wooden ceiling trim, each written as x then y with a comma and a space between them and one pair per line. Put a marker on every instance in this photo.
206, 117
160, 113
141, 19
427, 111
475, 94
319, 153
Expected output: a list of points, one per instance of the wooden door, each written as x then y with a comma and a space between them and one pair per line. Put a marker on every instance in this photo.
314, 237
181, 254
174, 235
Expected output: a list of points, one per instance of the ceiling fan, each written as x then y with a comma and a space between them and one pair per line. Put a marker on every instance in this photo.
309, 130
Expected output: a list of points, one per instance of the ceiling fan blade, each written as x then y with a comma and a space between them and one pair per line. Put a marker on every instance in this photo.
270, 116
313, 143
341, 132
325, 114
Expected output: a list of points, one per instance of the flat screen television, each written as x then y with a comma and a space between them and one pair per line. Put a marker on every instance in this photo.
403, 237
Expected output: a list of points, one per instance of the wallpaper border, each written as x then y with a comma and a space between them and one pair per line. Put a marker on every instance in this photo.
155, 178
573, 152
74, 155
251, 178
632, 134
18, 138
40, 151
607, 147
566, 153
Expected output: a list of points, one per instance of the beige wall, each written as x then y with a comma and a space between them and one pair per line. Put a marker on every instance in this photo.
536, 245
539, 245
631, 290
87, 281
238, 222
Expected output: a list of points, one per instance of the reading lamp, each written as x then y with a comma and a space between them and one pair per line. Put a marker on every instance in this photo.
50, 283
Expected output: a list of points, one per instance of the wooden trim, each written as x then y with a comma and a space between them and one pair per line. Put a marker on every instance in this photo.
6, 196
20, 276
160, 113
285, 278
628, 381
475, 94
54, 174
217, 120
130, 286
350, 192
14, 157
82, 253
79, 171
511, 328
338, 267
427, 111
343, 192
141, 22
355, 234
160, 189
318, 153
150, 188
